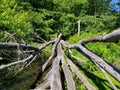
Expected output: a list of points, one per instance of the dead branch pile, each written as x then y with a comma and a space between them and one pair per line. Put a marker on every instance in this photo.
59, 64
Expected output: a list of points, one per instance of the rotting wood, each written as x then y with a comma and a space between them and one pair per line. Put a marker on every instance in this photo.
74, 68
67, 73
110, 37
53, 75
53, 78
4, 45
52, 53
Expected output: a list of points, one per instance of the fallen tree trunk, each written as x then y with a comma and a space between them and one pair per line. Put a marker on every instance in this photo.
4, 46
95, 59
57, 40
108, 79
111, 37
53, 77
74, 68
67, 73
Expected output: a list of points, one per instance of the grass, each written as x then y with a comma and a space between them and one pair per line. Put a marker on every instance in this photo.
108, 51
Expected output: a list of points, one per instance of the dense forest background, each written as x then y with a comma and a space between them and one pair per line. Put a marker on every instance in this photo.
30, 21
26, 18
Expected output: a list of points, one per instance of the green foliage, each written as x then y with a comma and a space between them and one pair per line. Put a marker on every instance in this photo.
107, 51
67, 26
92, 23
43, 18
27, 18
42, 23
97, 24
14, 21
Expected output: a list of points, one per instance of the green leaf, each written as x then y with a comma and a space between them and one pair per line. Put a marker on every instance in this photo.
1, 58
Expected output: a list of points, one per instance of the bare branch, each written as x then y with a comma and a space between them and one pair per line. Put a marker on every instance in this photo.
32, 56
80, 75
111, 37
94, 58
68, 76
57, 40
72, 56
15, 46
17, 62
37, 53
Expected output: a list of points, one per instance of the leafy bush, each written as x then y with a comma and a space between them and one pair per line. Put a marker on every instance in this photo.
97, 24
14, 21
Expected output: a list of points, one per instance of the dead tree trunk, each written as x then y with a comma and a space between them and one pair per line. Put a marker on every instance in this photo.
53, 78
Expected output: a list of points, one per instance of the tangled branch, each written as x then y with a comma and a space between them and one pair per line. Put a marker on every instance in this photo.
53, 78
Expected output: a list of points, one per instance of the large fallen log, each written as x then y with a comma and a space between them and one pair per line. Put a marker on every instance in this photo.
95, 59
53, 78
74, 68
57, 40
67, 73
111, 37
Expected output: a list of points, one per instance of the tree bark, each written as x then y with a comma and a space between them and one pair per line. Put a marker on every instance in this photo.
80, 75
15, 46
111, 37
67, 73
53, 75
96, 59
108, 79
35, 54
57, 40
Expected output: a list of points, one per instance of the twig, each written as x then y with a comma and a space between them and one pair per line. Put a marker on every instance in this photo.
17, 62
